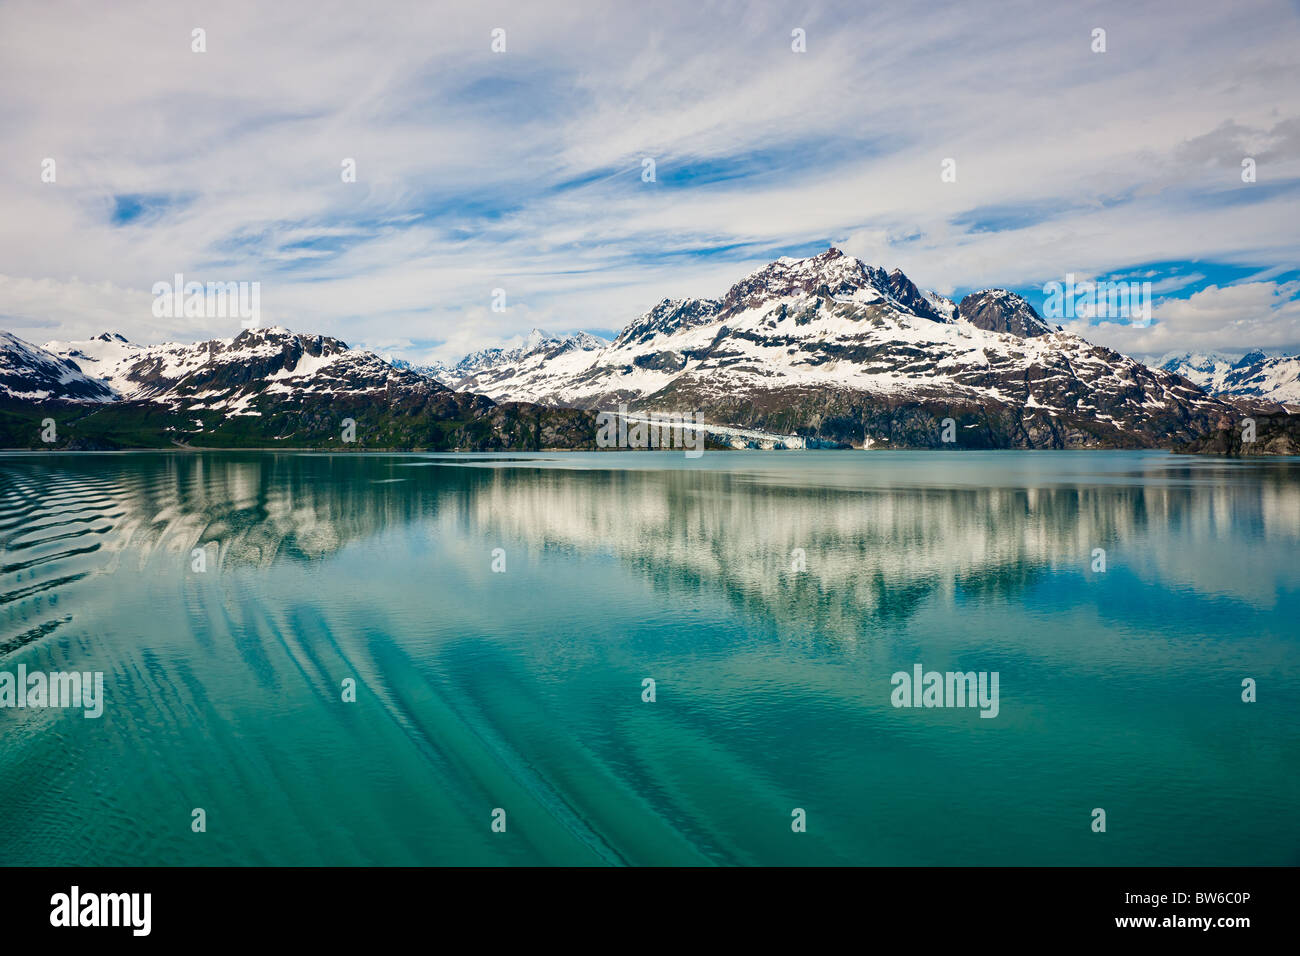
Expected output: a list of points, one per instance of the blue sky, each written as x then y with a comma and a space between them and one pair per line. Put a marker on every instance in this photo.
522, 170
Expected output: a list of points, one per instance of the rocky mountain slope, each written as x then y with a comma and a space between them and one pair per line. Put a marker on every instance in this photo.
34, 374
262, 387
1277, 434
832, 349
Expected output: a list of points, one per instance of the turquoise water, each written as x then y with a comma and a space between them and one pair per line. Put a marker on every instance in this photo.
522, 689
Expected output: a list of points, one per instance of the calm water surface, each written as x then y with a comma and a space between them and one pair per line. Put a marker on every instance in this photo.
522, 690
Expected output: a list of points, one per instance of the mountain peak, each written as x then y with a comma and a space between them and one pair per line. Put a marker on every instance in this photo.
1001, 310
534, 338
906, 293
1250, 358
838, 273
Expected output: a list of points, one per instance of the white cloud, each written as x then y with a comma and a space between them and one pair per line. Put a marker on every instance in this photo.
522, 170
1230, 319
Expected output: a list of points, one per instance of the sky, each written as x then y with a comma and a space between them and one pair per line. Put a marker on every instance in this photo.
525, 170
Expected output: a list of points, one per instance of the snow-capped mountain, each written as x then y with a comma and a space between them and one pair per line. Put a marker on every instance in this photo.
260, 387
535, 343
836, 349
824, 350
1206, 369
1254, 375
460, 375
228, 374
105, 357
30, 372
438, 371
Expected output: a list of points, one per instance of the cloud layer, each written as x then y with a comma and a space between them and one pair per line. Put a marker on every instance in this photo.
523, 170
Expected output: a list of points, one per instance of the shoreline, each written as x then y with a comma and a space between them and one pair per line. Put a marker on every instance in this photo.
649, 451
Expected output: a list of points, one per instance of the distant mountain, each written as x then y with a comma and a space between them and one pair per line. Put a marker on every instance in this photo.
438, 371
263, 387
535, 343
1206, 369
1255, 375
835, 350
461, 375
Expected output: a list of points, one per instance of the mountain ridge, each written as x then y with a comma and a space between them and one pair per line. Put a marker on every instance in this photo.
1255, 375
263, 387
832, 349
823, 350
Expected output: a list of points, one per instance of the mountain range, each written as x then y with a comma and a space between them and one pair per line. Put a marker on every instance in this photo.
818, 351
1255, 375
535, 343
263, 387
830, 350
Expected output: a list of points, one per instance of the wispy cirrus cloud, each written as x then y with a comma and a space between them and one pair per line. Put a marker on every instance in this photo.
523, 170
